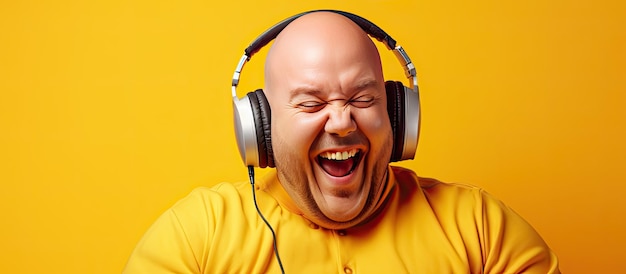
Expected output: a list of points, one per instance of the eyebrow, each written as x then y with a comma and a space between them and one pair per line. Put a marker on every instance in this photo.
308, 90
367, 83
304, 90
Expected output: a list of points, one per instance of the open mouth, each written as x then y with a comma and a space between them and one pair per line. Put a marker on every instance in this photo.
339, 163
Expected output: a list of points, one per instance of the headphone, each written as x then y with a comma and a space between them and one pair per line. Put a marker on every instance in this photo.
252, 113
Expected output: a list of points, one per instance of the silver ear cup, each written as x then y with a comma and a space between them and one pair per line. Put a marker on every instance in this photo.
245, 131
411, 122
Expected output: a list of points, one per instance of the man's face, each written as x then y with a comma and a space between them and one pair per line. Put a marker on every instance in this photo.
331, 133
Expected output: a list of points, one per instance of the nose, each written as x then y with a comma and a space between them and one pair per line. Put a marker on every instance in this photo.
340, 122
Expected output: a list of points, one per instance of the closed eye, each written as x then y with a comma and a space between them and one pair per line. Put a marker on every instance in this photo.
362, 101
311, 106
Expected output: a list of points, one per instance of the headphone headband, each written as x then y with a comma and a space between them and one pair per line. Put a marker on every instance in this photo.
369, 27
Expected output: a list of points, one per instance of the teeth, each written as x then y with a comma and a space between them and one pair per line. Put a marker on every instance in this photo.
339, 155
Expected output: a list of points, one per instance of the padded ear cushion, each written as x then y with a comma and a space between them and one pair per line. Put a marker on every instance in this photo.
262, 121
395, 108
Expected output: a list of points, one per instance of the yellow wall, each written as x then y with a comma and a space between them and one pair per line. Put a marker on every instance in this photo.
110, 111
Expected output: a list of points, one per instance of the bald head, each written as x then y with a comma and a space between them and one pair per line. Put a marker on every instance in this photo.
320, 39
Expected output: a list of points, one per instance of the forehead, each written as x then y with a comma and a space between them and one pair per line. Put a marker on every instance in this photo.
307, 70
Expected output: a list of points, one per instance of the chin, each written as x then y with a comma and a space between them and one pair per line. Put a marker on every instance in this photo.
340, 211
343, 211
340, 198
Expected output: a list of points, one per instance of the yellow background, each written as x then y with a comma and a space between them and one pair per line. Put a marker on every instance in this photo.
110, 111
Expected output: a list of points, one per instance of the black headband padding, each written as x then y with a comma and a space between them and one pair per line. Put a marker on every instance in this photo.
369, 27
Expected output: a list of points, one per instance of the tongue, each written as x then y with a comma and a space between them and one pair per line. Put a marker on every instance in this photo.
337, 168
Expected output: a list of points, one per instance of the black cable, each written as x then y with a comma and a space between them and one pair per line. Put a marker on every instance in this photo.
251, 175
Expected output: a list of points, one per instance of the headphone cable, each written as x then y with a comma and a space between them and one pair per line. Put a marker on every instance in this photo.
251, 175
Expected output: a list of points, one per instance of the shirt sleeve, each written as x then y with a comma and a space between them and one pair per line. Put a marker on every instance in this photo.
512, 245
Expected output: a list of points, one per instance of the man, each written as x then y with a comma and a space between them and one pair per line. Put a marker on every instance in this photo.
335, 203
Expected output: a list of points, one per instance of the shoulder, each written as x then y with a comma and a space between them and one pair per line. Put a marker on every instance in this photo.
452, 200
214, 200
180, 238
504, 241
220, 190
438, 192
206, 212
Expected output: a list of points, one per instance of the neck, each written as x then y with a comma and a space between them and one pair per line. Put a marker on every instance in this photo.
378, 198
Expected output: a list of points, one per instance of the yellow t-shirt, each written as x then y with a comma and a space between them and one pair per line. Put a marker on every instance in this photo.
424, 226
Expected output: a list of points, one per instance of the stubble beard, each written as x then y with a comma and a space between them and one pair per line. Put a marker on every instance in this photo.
292, 174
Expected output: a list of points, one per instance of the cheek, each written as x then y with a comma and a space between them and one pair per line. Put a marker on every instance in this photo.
374, 123
294, 133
